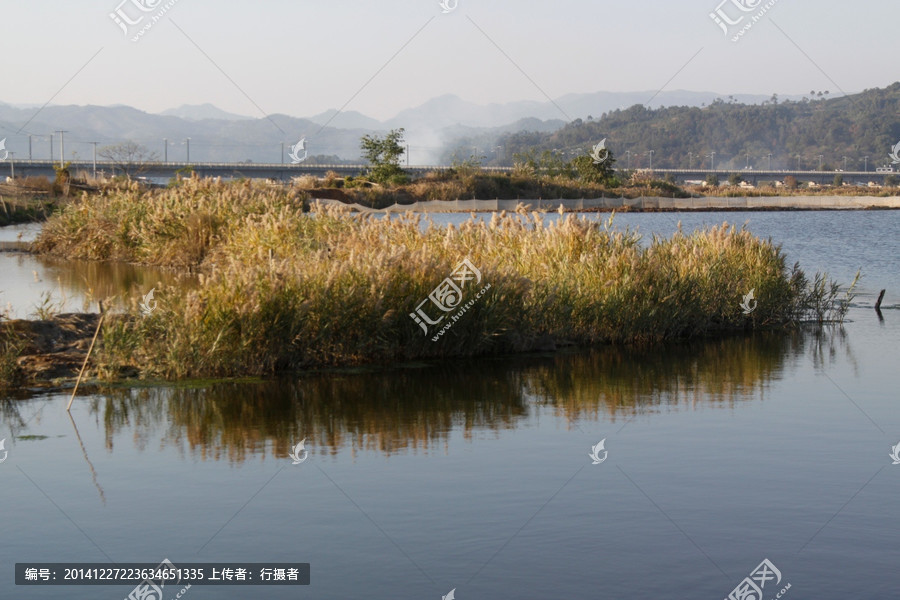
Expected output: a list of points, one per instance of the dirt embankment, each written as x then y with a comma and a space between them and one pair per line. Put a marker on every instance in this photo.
50, 351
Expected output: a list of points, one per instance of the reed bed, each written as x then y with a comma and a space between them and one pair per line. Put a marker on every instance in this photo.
282, 289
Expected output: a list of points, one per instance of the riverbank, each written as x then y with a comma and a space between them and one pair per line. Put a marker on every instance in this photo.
44, 352
644, 204
285, 286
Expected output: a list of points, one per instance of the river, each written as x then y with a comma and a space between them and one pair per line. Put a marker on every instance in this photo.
475, 475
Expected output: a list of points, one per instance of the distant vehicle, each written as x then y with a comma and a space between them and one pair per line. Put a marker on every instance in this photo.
884, 170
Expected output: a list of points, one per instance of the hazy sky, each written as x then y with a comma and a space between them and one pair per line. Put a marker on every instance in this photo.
302, 57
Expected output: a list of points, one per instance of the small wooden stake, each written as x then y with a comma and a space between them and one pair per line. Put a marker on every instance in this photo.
86, 358
880, 298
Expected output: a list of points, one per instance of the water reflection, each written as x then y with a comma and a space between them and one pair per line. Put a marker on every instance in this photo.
76, 285
415, 409
624, 382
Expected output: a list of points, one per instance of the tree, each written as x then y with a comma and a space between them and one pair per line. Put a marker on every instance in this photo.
735, 179
129, 157
712, 180
591, 171
384, 156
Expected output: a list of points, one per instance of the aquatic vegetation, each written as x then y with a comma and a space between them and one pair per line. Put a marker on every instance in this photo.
283, 289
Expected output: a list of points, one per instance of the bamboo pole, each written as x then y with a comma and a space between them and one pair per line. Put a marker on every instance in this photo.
880, 298
86, 358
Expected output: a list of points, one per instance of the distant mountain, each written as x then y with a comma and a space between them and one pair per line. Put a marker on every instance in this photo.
596, 103
346, 120
199, 112
834, 133
211, 140
450, 110
435, 130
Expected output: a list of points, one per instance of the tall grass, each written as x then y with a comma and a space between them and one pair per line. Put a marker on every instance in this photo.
284, 289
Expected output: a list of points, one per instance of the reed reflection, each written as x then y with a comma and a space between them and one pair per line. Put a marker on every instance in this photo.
416, 409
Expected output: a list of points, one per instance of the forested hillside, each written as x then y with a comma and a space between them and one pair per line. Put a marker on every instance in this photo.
819, 130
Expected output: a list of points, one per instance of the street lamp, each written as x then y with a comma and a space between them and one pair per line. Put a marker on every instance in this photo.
188, 142
820, 161
866, 158
769, 156
845, 162
165, 150
690, 160
712, 156
650, 152
628, 156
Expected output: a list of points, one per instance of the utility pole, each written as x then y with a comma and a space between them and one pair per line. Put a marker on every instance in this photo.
866, 158
712, 156
769, 155
166, 150
650, 152
95, 159
12, 168
747, 166
820, 161
29, 147
282, 152
62, 148
690, 160
51, 147
628, 156
845, 162
407, 155
188, 142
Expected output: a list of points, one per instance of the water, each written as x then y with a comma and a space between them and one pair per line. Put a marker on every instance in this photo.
475, 475
29, 282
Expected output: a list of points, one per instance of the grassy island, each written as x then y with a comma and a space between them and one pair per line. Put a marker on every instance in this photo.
284, 285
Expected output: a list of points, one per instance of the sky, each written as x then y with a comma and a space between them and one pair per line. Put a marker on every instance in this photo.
302, 57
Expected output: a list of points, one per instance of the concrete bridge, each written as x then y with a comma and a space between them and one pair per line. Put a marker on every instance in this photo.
283, 172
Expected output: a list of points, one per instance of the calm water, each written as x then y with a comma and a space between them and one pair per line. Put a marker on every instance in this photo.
475, 475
